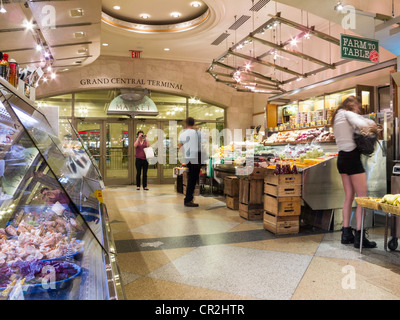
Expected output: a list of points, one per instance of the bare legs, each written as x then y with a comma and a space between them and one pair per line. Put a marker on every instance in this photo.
354, 184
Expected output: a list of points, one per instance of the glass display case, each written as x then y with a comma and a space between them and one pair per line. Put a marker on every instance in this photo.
54, 232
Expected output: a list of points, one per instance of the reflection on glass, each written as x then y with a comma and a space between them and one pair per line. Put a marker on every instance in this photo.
64, 103
169, 107
203, 111
92, 104
90, 134
117, 156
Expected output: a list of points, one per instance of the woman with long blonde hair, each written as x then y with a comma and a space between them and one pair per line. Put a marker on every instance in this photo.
347, 119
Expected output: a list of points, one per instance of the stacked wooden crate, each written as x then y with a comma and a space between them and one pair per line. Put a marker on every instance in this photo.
282, 203
251, 195
185, 180
231, 191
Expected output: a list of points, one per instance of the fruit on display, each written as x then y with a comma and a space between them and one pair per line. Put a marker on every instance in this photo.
392, 199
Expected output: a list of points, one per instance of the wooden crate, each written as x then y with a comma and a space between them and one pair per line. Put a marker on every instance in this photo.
231, 186
283, 190
284, 206
251, 212
251, 191
258, 173
232, 202
283, 179
281, 225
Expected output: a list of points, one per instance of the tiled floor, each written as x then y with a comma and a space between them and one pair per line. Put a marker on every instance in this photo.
168, 251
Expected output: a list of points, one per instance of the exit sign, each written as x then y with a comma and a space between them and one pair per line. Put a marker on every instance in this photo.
360, 49
136, 54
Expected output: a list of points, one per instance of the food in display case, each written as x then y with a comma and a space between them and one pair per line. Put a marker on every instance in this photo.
47, 218
301, 136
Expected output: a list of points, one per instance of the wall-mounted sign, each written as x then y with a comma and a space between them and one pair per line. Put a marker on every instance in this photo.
121, 82
135, 54
360, 49
133, 104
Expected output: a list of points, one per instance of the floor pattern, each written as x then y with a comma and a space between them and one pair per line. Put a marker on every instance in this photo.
166, 251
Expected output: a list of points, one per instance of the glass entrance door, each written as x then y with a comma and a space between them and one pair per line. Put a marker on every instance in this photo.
108, 142
90, 133
159, 173
117, 155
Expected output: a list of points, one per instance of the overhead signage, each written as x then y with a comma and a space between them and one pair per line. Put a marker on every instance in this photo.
130, 81
135, 54
359, 49
124, 105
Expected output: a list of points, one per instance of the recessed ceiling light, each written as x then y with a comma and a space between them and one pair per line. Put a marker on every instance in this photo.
175, 14
2, 9
38, 47
196, 4
167, 49
105, 44
53, 75
145, 16
116, 7
76, 13
79, 34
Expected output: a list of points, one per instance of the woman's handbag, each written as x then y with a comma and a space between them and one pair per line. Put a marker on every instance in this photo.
366, 140
365, 143
149, 152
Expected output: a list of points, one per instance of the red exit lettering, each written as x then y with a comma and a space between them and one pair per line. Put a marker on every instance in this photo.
136, 54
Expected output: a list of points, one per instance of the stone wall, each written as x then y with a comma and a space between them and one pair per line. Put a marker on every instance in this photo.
177, 77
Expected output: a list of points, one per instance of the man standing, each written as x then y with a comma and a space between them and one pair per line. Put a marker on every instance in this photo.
190, 140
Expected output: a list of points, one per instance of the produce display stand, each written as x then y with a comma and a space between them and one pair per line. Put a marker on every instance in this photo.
386, 209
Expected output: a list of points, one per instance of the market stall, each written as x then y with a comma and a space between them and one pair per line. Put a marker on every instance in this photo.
54, 230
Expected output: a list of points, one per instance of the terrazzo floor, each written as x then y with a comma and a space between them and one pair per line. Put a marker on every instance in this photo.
166, 251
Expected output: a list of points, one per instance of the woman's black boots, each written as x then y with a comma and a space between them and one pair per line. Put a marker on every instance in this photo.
366, 243
347, 235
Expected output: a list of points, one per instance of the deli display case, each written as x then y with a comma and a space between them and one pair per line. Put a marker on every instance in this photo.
55, 239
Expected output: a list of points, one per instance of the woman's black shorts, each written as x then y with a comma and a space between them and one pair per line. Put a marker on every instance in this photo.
350, 162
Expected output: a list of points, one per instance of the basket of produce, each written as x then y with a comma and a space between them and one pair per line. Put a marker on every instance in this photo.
37, 276
390, 203
369, 202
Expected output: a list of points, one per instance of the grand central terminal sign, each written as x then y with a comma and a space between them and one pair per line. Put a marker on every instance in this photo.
87, 82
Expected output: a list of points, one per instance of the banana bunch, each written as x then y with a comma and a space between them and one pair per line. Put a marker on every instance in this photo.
393, 199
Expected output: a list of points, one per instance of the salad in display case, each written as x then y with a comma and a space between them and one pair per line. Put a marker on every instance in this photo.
54, 239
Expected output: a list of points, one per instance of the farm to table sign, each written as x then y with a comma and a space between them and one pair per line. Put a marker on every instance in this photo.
360, 49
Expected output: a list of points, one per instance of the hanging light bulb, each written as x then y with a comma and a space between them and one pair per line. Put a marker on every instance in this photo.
293, 42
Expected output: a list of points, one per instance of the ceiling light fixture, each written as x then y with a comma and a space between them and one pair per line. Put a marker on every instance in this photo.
339, 6
49, 68
2, 9
145, 16
39, 47
307, 36
53, 75
28, 25
293, 42
196, 4
175, 14
116, 7
105, 44
47, 55
167, 49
